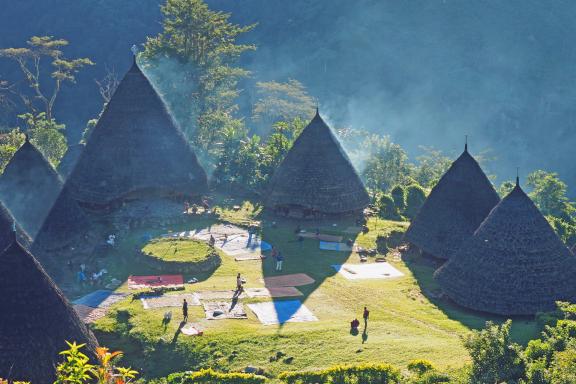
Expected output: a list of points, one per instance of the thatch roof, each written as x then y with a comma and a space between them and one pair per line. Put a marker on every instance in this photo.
35, 320
514, 264
65, 225
29, 186
70, 159
454, 209
135, 149
316, 174
7, 226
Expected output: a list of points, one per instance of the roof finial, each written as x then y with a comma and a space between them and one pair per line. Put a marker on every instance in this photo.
517, 176
134, 50
465, 143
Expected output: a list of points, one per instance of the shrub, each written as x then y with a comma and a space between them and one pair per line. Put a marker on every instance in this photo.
399, 196
415, 198
495, 358
341, 374
386, 207
420, 367
211, 376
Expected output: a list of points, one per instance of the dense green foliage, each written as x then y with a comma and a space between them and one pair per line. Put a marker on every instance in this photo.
208, 376
359, 374
194, 63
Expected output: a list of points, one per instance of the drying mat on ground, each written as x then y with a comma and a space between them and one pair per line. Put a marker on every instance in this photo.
100, 299
224, 310
210, 295
312, 235
331, 246
294, 280
247, 257
367, 271
239, 245
157, 281
163, 301
88, 314
273, 292
191, 329
280, 312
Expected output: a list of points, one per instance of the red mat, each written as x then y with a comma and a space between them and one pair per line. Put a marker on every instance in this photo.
139, 282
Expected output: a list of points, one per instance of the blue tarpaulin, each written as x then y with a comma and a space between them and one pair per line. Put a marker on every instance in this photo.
93, 299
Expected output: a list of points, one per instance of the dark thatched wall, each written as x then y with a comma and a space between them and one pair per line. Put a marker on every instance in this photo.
316, 174
69, 160
29, 186
135, 147
35, 320
454, 209
514, 264
65, 225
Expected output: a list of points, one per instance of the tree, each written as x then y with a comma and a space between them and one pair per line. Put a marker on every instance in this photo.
387, 164
193, 60
29, 59
431, 167
495, 358
505, 188
399, 196
549, 194
46, 135
415, 198
9, 144
281, 102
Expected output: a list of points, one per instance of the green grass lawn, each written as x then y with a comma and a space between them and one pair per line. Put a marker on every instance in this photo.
405, 323
177, 250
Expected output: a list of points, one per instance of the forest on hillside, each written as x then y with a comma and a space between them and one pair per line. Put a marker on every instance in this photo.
425, 73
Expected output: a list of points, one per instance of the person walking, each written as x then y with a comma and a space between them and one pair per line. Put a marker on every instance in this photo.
239, 283
365, 315
185, 310
279, 261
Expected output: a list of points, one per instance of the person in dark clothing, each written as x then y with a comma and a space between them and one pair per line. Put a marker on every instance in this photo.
365, 315
185, 310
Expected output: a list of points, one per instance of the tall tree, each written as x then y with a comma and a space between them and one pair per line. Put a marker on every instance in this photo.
194, 63
549, 194
281, 102
41, 96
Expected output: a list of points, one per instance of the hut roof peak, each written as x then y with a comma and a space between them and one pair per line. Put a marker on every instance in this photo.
458, 203
317, 174
150, 153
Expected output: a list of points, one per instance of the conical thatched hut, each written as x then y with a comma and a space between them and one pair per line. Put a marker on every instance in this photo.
134, 151
70, 159
29, 186
35, 320
514, 264
316, 177
454, 209
65, 226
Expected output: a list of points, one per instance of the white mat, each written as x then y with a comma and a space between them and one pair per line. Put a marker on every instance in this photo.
367, 271
270, 313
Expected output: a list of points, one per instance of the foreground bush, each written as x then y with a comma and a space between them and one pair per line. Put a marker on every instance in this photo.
357, 374
210, 376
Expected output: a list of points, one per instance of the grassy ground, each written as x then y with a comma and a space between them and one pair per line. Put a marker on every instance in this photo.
181, 250
406, 322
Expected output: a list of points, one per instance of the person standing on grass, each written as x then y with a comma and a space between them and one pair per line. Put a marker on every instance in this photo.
279, 260
365, 315
185, 310
239, 287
